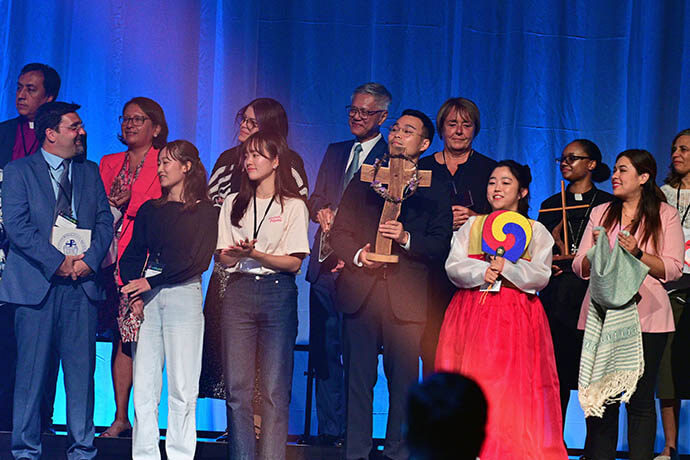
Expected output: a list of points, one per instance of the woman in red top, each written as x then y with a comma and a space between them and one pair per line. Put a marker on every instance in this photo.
130, 179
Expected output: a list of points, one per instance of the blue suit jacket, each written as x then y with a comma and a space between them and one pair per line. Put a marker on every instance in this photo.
28, 204
329, 189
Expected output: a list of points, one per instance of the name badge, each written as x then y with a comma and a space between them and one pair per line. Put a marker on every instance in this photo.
153, 269
65, 221
486, 287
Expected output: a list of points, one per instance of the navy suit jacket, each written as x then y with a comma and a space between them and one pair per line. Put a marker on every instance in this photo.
8, 132
28, 204
329, 189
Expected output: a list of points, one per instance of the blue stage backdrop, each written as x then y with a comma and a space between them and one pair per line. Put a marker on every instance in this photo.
543, 73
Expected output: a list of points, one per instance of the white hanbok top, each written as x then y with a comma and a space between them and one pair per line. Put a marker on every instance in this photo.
529, 276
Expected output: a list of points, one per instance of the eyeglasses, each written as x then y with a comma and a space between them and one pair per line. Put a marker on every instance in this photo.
404, 132
74, 128
135, 120
570, 159
353, 111
251, 123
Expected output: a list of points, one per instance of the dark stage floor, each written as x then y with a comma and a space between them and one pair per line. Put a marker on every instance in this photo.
121, 449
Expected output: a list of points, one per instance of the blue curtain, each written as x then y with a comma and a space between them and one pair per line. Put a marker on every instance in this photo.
543, 72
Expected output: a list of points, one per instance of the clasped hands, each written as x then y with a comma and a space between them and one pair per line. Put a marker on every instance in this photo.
243, 248
495, 268
73, 267
120, 199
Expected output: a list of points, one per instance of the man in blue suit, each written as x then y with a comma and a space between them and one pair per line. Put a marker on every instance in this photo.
342, 161
37, 84
54, 294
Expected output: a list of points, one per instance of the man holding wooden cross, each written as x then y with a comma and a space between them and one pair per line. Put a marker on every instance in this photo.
382, 290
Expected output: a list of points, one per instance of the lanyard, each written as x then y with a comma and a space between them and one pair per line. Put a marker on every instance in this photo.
685, 214
256, 229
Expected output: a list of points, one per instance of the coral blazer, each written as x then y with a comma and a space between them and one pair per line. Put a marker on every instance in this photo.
654, 306
145, 188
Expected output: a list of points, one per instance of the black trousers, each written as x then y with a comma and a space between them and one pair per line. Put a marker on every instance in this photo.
325, 346
364, 332
602, 433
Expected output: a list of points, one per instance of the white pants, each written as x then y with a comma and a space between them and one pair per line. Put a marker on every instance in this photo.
172, 333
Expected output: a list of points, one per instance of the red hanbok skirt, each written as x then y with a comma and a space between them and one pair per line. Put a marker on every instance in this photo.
504, 344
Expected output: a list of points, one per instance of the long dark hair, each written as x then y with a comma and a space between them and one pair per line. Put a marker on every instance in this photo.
269, 144
194, 189
270, 115
650, 201
673, 179
524, 177
155, 112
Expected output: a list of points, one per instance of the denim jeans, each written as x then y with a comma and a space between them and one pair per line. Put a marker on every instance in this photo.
259, 323
172, 334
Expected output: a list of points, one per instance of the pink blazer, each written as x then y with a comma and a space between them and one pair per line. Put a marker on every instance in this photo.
145, 188
654, 307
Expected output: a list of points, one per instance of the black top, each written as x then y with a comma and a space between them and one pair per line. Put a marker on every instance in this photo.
577, 218
8, 133
181, 242
471, 176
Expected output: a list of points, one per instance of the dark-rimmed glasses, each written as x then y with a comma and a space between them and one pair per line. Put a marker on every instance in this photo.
404, 132
75, 127
250, 122
570, 159
135, 120
353, 111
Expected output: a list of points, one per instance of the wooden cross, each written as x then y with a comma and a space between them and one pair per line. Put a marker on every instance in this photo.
396, 176
563, 224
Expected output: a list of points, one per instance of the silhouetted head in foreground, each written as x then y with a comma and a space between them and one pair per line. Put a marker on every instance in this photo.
446, 418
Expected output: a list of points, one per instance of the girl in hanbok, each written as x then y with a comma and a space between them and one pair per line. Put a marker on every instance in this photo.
501, 339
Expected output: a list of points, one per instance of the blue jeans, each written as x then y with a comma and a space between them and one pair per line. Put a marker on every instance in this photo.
259, 322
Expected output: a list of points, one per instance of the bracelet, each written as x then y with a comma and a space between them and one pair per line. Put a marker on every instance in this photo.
639, 254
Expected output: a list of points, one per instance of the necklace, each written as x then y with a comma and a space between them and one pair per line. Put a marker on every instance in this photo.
685, 214
575, 243
456, 193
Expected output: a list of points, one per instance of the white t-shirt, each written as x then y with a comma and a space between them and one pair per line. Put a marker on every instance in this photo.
282, 232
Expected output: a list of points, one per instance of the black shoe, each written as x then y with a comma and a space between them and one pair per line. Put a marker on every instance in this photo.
49, 430
674, 454
329, 440
223, 437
